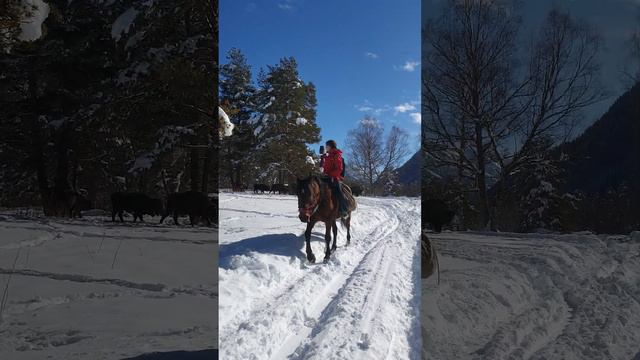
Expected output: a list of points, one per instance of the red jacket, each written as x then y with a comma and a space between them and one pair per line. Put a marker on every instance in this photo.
333, 164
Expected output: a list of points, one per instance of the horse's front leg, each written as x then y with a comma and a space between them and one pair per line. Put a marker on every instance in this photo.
327, 240
307, 239
335, 237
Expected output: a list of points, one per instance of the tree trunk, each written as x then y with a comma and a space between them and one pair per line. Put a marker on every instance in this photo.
230, 165
205, 171
195, 170
482, 178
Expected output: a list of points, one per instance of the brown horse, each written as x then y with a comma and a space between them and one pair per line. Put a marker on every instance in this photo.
316, 202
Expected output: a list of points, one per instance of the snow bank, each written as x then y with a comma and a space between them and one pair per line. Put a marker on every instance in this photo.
226, 126
123, 23
31, 27
533, 296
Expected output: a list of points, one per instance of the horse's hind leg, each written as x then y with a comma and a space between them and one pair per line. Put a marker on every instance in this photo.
335, 237
327, 239
307, 239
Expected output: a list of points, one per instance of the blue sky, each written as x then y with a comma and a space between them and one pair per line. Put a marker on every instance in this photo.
363, 56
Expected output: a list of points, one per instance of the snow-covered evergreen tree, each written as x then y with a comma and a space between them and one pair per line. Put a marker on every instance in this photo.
285, 119
542, 198
237, 93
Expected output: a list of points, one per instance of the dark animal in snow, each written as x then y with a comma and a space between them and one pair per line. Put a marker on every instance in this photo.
356, 190
261, 188
280, 188
192, 203
436, 213
137, 204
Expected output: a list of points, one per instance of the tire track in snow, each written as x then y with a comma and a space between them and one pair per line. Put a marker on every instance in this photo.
85, 279
325, 307
365, 309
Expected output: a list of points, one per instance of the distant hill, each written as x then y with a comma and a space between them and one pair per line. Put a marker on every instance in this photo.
607, 154
409, 172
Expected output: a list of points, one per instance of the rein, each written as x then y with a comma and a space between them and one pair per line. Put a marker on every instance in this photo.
322, 195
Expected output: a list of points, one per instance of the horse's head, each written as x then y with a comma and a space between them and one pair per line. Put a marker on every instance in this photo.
308, 197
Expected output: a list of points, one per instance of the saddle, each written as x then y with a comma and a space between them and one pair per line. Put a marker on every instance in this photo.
346, 192
348, 197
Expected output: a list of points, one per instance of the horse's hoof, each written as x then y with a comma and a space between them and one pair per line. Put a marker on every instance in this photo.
326, 260
311, 258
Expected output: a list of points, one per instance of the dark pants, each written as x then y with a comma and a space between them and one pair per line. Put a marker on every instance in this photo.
342, 205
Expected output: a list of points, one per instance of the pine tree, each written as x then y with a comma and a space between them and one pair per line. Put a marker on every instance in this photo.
542, 198
285, 118
237, 94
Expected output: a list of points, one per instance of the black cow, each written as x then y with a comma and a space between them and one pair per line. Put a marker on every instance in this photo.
138, 204
280, 188
436, 213
192, 203
356, 190
261, 187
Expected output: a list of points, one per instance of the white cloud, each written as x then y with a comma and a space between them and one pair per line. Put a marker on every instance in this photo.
403, 108
416, 117
288, 5
371, 55
370, 121
368, 107
409, 66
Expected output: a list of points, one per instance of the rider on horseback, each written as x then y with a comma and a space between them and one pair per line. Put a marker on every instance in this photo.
333, 166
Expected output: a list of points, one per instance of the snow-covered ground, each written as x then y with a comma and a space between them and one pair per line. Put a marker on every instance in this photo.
533, 296
92, 289
363, 304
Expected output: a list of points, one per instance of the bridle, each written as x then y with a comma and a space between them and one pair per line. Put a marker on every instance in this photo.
315, 204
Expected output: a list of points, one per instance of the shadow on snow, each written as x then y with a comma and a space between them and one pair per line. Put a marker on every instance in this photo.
289, 244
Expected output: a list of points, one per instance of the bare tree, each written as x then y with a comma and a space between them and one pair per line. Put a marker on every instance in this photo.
482, 115
468, 91
371, 157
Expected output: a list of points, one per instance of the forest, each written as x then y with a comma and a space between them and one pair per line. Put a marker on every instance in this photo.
108, 96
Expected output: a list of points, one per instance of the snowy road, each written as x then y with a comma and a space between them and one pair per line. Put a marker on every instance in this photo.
363, 304
91, 289
533, 296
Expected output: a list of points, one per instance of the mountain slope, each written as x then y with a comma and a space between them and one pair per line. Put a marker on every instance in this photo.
607, 154
409, 172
